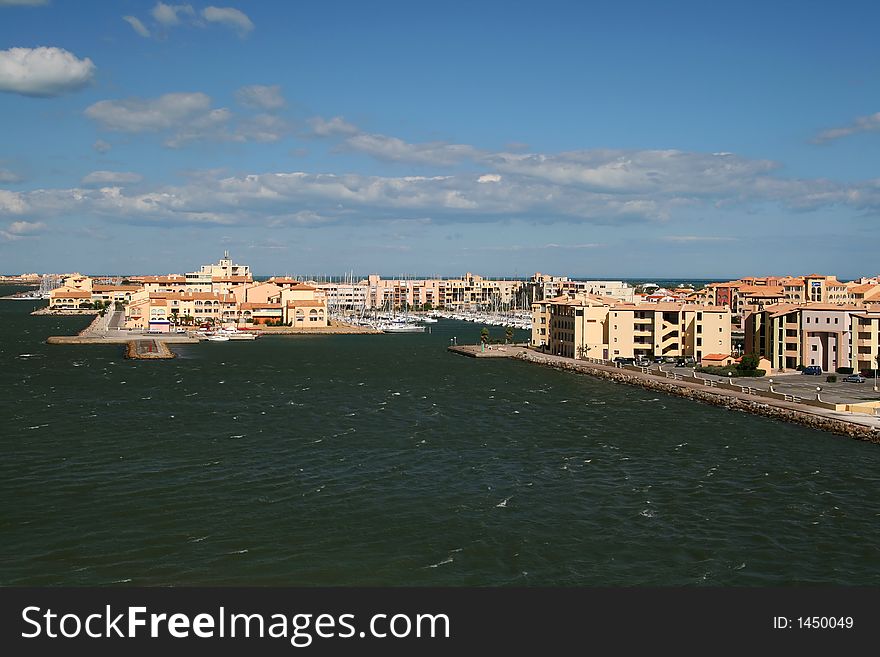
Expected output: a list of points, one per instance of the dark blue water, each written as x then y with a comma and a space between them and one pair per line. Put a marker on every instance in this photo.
386, 460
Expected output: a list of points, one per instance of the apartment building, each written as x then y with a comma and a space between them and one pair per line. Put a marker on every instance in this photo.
218, 277
543, 286
828, 335
589, 326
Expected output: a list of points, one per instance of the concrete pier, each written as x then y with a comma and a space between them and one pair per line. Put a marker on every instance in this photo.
148, 350
490, 350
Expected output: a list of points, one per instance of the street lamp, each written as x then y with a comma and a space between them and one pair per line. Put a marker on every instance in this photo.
729, 379
818, 390
875, 371
771, 386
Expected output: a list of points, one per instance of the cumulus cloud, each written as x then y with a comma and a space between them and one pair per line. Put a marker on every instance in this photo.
149, 114
229, 17
19, 230
332, 127
169, 15
26, 227
393, 149
261, 97
111, 178
870, 123
43, 71
7, 176
650, 171
137, 25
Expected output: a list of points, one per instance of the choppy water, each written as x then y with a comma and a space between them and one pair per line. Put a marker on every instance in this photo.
368, 460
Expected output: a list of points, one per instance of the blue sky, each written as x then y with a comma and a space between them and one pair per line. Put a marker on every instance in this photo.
626, 139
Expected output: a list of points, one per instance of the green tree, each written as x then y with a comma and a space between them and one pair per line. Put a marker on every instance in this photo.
749, 362
484, 335
508, 334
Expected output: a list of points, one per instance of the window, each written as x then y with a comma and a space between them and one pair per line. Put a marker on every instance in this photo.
812, 347
721, 329
699, 342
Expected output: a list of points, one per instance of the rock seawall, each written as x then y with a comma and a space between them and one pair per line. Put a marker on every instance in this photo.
728, 401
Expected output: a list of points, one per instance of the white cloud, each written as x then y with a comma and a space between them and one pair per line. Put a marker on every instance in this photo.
265, 128
11, 202
150, 115
229, 17
26, 227
7, 176
332, 127
102, 146
489, 178
111, 178
185, 118
43, 71
260, 97
657, 172
393, 149
137, 25
870, 123
167, 15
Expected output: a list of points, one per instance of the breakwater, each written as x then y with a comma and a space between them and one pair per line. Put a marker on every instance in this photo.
729, 399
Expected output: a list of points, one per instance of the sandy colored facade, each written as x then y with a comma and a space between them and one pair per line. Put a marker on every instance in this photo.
218, 277
830, 336
584, 326
69, 298
303, 307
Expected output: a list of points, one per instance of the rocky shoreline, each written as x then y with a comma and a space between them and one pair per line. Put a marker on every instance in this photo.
725, 400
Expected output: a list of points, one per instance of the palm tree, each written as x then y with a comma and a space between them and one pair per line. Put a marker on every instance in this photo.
484, 335
508, 334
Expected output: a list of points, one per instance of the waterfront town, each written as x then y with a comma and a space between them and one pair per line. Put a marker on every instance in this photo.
788, 322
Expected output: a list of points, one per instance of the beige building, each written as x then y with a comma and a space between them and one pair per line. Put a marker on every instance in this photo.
827, 335
584, 326
69, 298
303, 307
218, 277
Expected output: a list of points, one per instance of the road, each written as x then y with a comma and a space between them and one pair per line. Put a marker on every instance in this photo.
800, 385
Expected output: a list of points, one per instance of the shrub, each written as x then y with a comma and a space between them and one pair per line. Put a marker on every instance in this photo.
831, 378
800, 367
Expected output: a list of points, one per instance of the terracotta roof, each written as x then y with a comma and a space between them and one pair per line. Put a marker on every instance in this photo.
716, 357
115, 288
73, 294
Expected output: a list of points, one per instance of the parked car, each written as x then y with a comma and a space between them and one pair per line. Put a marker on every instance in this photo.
815, 370
854, 378
620, 360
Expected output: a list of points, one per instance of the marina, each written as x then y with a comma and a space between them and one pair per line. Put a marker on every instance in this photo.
381, 458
